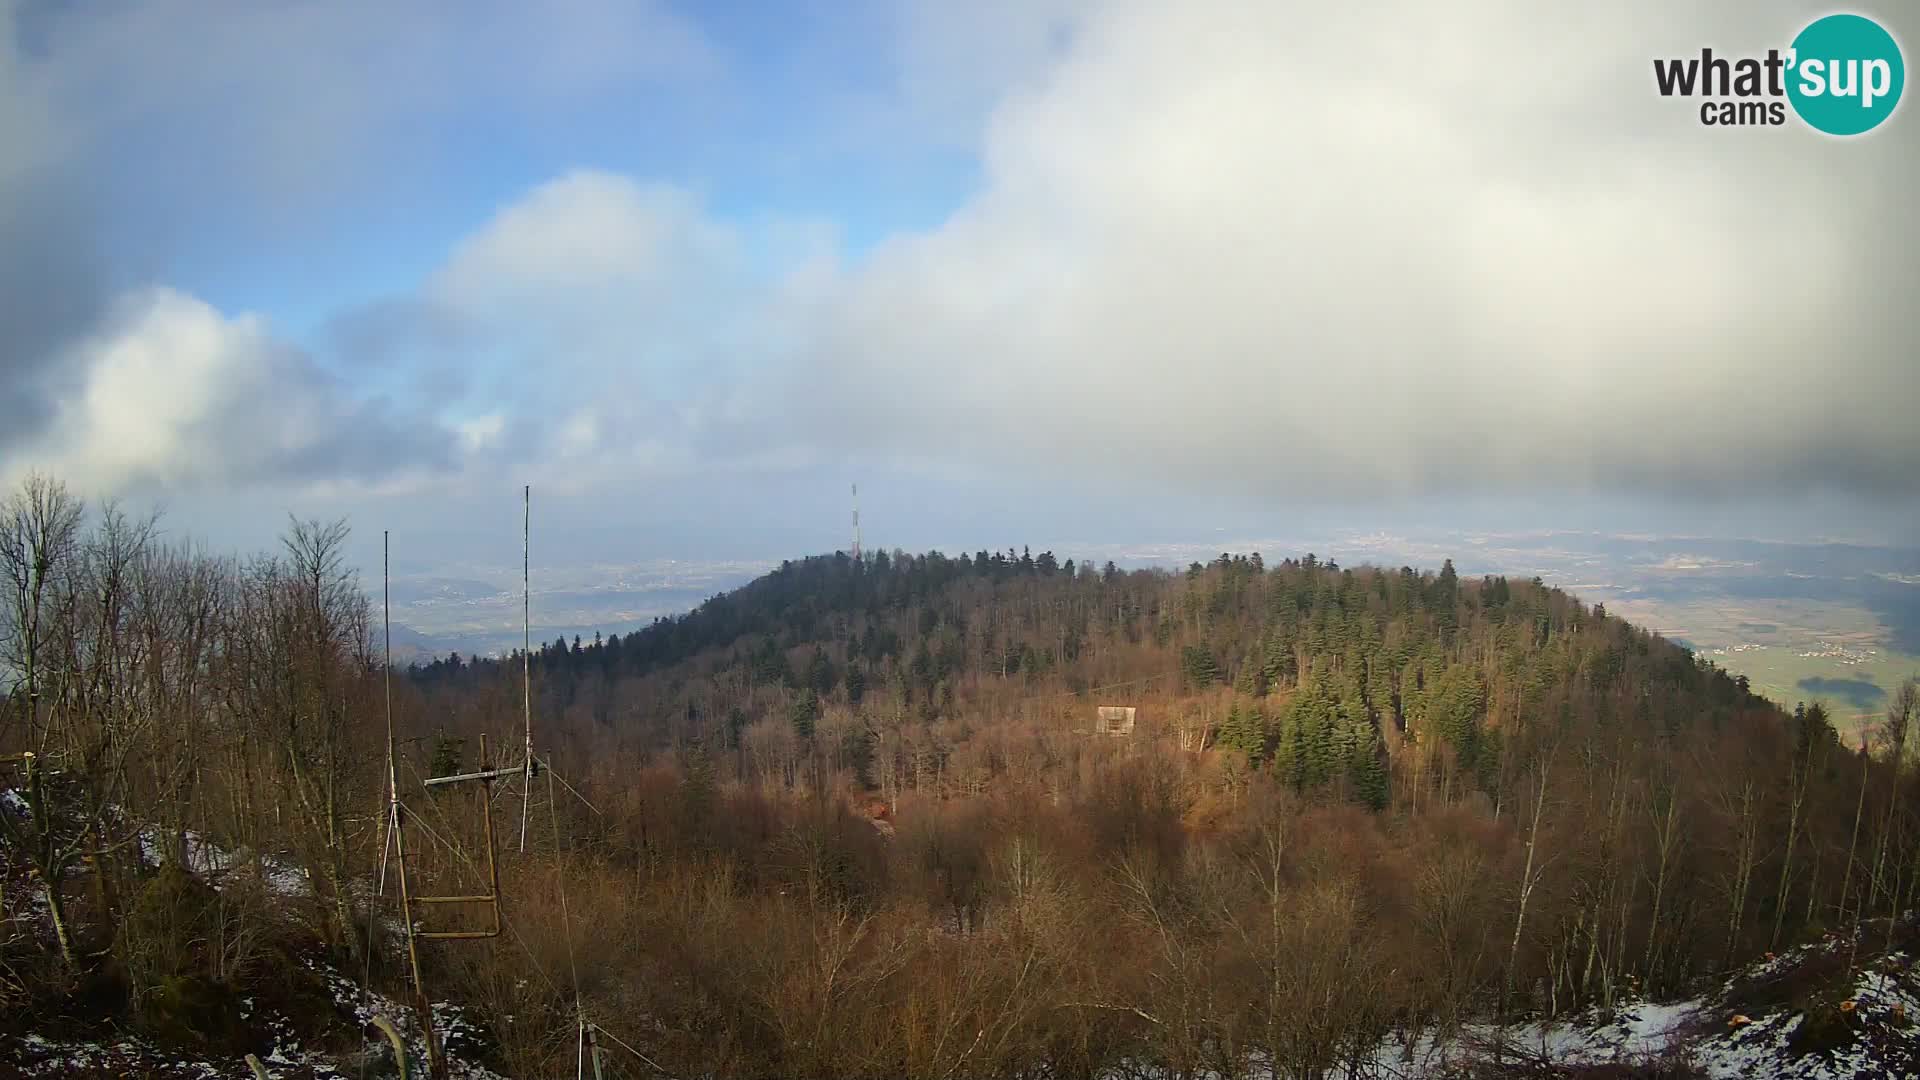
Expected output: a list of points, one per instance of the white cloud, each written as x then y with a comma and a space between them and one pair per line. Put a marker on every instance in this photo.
1276, 252
171, 393
481, 432
1251, 251
603, 308
1221, 248
591, 244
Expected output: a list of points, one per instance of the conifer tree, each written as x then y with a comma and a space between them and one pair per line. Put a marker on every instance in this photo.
1252, 680
804, 711
821, 676
1278, 665
1361, 751
1311, 715
1285, 742
1455, 708
1244, 731
1199, 665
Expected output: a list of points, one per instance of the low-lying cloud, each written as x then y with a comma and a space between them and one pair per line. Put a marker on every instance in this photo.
171, 394
1215, 248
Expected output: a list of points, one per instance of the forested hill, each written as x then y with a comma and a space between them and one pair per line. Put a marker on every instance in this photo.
855, 819
1327, 676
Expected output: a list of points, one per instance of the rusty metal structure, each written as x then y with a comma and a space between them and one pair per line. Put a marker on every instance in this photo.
488, 774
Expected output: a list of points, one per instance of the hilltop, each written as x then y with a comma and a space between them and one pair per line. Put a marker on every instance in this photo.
1391, 672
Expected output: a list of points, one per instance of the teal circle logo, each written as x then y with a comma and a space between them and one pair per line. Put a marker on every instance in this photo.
1845, 74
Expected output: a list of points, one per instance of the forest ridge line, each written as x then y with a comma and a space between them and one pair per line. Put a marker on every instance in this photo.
1360, 804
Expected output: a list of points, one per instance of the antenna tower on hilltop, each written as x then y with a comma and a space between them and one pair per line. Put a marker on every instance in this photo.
856, 523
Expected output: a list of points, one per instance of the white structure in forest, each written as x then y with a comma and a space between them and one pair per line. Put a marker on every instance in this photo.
1113, 720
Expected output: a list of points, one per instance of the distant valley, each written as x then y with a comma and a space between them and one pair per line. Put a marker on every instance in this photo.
476, 610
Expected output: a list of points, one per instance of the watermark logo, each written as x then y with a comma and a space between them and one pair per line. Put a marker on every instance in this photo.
1842, 75
1850, 74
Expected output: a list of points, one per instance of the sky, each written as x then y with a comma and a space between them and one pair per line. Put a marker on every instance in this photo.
1025, 270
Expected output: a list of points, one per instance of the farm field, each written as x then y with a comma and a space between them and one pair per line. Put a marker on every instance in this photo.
1791, 649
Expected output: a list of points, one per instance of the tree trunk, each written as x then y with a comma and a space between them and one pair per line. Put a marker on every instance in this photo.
1667, 837
1853, 844
48, 866
1527, 882
1747, 843
57, 911
1797, 783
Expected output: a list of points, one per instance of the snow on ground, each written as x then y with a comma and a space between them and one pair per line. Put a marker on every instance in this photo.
1883, 1038
288, 1059
282, 876
458, 1035
1861, 1027
1637, 1031
126, 1057
285, 1058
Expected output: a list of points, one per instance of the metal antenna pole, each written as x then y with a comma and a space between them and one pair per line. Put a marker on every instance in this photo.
526, 651
593, 1048
856, 523
436, 1066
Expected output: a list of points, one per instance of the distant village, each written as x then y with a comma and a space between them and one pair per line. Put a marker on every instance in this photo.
1829, 651
1824, 650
